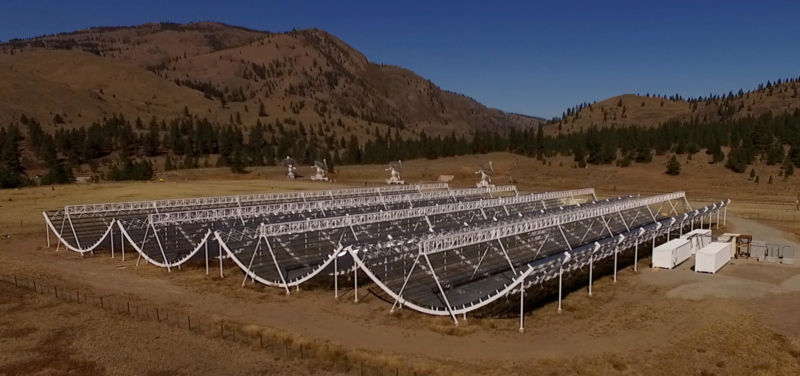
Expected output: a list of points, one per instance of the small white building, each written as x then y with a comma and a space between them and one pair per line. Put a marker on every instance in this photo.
672, 253
712, 257
699, 238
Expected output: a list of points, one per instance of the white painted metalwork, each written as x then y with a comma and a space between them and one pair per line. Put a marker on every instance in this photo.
290, 164
394, 173
275, 229
450, 241
486, 175
544, 270
216, 214
320, 168
242, 199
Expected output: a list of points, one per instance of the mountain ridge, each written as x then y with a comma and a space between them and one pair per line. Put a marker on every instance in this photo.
242, 75
648, 110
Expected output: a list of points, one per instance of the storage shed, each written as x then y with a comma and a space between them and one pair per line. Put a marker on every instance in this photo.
712, 257
699, 238
672, 253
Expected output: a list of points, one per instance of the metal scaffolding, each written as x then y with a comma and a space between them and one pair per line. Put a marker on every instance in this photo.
433, 249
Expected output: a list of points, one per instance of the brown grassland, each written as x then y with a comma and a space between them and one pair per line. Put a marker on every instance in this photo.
741, 321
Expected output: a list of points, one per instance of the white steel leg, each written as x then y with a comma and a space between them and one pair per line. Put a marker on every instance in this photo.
220, 261
336, 275
591, 266
521, 307
560, 273
725, 217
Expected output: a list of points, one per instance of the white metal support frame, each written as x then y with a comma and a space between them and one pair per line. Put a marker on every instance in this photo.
399, 298
462, 239
521, 307
318, 224
441, 290
570, 260
277, 266
148, 206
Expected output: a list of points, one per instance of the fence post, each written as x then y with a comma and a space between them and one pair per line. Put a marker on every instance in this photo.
189, 322
129, 308
158, 317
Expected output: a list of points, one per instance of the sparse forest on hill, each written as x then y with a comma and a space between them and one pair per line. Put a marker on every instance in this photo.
124, 103
118, 149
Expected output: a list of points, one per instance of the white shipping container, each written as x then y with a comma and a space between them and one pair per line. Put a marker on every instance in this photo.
712, 257
699, 238
672, 253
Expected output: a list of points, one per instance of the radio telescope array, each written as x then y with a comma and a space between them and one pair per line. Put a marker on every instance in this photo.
430, 248
486, 176
321, 169
394, 173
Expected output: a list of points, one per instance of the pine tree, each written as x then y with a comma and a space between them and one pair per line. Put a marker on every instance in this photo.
673, 166
775, 154
787, 167
237, 163
151, 143
58, 174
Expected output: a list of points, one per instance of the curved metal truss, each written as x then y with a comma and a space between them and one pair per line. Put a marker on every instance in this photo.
82, 228
461, 272
170, 239
429, 248
325, 207
290, 253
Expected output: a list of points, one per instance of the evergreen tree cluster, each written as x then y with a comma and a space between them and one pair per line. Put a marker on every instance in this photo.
187, 140
12, 171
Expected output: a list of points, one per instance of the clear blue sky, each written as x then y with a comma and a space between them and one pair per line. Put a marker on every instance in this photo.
532, 57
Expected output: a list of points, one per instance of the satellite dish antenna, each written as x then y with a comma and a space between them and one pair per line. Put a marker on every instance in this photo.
321, 169
394, 173
486, 174
290, 165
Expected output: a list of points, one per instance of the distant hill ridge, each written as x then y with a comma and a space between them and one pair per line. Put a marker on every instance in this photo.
228, 74
776, 98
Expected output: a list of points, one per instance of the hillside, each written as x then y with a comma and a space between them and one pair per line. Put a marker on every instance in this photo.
650, 111
228, 75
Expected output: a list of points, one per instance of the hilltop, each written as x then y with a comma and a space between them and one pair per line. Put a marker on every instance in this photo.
228, 75
651, 110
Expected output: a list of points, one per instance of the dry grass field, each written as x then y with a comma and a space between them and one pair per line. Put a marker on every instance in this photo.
741, 321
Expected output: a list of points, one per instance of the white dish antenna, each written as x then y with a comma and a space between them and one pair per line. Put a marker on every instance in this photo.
486, 174
291, 166
321, 169
394, 173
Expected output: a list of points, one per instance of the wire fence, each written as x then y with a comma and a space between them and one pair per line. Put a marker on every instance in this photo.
318, 356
